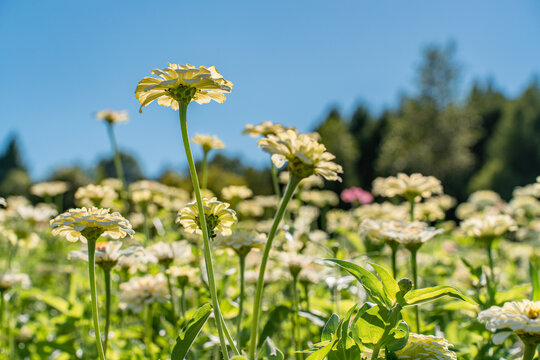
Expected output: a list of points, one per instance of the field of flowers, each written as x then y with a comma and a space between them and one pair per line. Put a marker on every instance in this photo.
137, 273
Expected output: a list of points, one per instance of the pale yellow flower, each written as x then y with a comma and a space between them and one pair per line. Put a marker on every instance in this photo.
51, 188
165, 253
184, 274
208, 142
3, 202
426, 347
239, 192
408, 186
242, 241
95, 195
114, 183
487, 226
112, 116
320, 198
141, 291
182, 83
305, 155
107, 253
295, 262
250, 208
78, 224
521, 317
411, 234
219, 218
9, 280
264, 129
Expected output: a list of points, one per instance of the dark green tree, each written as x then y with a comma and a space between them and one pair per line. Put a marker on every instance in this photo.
76, 177
132, 170
514, 150
11, 159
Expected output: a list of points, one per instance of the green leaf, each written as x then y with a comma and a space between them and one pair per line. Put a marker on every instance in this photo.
271, 352
369, 328
370, 282
398, 338
390, 285
535, 282
421, 296
330, 328
276, 318
190, 332
321, 353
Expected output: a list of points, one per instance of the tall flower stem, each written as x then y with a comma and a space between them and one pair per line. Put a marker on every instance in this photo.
148, 331
117, 161
529, 351
291, 186
2, 306
241, 301
296, 321
183, 300
275, 182
411, 210
204, 172
394, 245
204, 229
93, 293
171, 294
492, 289
415, 282
107, 278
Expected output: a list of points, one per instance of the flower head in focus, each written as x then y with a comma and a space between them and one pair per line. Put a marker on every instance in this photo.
83, 223
182, 83
426, 347
305, 155
219, 218
408, 186
521, 317
112, 116
208, 142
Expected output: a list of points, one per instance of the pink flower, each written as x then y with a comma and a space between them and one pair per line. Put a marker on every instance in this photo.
356, 194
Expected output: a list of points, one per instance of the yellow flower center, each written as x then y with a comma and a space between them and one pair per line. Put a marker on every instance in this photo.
533, 312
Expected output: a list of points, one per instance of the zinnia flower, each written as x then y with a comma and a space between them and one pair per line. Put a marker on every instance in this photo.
51, 188
9, 280
112, 116
107, 253
94, 195
411, 235
242, 241
219, 218
356, 194
305, 155
264, 129
521, 317
426, 347
79, 224
236, 191
410, 187
140, 291
208, 142
487, 226
182, 83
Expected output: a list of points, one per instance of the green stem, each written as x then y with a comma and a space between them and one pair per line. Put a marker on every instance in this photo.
146, 227
492, 289
394, 247
275, 181
229, 338
306, 296
293, 183
2, 305
107, 276
171, 294
183, 301
202, 220
117, 161
411, 210
296, 317
375, 352
204, 176
415, 282
529, 351
93, 294
241, 302
148, 331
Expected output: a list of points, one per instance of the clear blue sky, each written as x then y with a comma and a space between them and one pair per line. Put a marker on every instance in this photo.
62, 60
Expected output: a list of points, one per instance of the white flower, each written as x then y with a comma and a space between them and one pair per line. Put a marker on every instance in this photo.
236, 192
410, 187
485, 226
219, 218
521, 317
112, 116
166, 253
426, 347
107, 253
9, 280
242, 241
52, 188
141, 291
411, 234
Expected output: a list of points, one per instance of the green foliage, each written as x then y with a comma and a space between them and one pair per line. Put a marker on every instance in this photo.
190, 332
132, 170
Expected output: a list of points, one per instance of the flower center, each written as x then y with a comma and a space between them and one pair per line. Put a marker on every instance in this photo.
102, 246
183, 94
533, 312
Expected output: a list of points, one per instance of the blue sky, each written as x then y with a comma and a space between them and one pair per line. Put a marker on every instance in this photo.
290, 61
